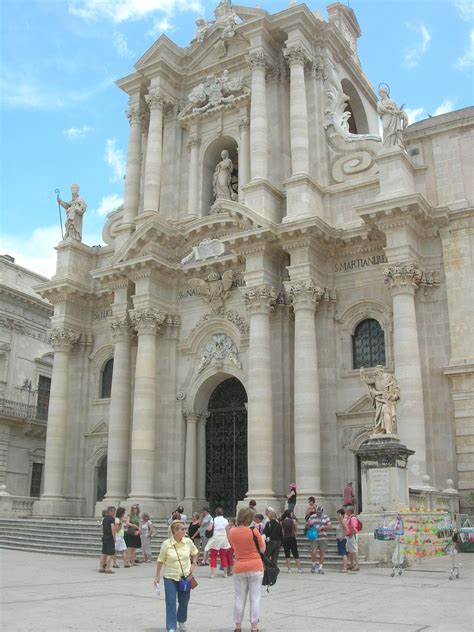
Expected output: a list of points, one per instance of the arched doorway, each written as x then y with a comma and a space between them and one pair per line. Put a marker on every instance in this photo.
101, 486
226, 446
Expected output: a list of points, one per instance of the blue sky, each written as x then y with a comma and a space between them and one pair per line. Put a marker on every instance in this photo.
62, 117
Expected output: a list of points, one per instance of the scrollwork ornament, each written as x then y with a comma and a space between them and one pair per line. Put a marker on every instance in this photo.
63, 339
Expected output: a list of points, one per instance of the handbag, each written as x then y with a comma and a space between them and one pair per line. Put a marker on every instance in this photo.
312, 533
270, 569
188, 583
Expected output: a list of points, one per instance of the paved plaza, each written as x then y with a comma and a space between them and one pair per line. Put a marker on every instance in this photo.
55, 593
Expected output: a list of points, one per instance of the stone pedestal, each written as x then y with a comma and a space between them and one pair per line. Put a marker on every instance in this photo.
383, 462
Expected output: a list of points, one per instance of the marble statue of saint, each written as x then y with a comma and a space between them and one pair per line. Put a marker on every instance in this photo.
222, 180
394, 119
384, 391
75, 209
201, 29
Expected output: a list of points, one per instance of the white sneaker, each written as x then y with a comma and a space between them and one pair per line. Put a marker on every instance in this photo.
289, 570
181, 626
300, 570
320, 569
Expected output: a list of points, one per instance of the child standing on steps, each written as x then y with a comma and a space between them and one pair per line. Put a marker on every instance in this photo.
146, 530
342, 531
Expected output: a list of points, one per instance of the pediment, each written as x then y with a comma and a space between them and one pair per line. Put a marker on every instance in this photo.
214, 50
163, 48
363, 407
99, 429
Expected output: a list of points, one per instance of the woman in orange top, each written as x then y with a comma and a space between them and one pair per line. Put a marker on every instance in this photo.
248, 568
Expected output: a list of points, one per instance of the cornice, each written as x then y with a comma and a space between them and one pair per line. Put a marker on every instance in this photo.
65, 289
33, 302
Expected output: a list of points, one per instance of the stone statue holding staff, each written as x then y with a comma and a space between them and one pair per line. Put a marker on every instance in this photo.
75, 209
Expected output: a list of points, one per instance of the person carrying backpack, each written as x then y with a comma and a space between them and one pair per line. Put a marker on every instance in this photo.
354, 526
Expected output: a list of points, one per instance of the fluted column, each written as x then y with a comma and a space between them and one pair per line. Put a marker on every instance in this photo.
119, 413
201, 455
258, 116
244, 155
193, 191
403, 280
304, 297
147, 323
62, 341
154, 158
190, 474
132, 175
296, 57
260, 301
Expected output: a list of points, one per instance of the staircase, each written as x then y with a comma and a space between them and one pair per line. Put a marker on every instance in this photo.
82, 537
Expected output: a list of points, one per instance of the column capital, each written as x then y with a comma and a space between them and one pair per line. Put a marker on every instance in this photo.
148, 321
134, 115
194, 141
63, 339
257, 59
155, 98
260, 299
121, 328
193, 417
304, 294
403, 278
296, 55
244, 125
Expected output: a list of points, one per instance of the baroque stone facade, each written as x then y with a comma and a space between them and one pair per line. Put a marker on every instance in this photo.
268, 237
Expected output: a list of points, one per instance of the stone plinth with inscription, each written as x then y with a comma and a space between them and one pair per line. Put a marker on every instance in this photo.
383, 461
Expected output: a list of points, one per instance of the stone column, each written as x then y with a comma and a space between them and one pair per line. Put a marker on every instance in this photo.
190, 461
153, 164
193, 191
119, 413
304, 297
258, 116
132, 176
403, 280
147, 323
244, 155
296, 57
62, 341
260, 301
201, 455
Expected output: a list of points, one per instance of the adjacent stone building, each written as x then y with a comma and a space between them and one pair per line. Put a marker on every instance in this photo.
26, 361
269, 246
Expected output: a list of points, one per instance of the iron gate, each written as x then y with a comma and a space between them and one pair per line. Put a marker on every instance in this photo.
226, 446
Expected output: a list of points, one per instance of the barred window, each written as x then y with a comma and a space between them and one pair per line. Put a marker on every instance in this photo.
368, 344
106, 379
42, 402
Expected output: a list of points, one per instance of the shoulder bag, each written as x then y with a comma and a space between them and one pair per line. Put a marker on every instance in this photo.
188, 583
270, 569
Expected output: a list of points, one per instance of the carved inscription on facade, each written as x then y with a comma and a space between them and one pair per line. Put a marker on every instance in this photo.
379, 486
362, 262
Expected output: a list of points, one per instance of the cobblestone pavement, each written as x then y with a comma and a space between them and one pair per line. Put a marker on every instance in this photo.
55, 593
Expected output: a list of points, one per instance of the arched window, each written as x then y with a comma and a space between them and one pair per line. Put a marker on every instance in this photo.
106, 379
368, 344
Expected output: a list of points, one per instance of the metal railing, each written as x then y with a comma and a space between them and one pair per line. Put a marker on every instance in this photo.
20, 410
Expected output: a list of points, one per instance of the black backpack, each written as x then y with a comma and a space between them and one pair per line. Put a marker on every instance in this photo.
270, 569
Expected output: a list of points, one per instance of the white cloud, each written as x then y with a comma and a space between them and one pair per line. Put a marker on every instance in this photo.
415, 53
466, 9
36, 251
446, 106
114, 158
121, 45
77, 133
467, 60
159, 27
109, 203
123, 10
29, 94
414, 114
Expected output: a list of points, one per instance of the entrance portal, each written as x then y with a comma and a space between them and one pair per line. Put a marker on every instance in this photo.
226, 446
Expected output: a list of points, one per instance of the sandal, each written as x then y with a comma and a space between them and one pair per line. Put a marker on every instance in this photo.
116, 566
101, 570
127, 566
109, 572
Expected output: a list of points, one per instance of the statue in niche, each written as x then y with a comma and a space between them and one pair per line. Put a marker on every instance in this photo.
222, 180
75, 209
394, 119
384, 391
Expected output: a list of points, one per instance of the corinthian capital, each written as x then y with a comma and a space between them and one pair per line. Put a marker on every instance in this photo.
403, 277
63, 339
257, 59
295, 55
134, 115
148, 321
260, 299
155, 98
121, 328
304, 294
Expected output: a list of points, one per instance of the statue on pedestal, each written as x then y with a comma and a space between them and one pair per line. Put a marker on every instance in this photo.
75, 209
384, 391
394, 119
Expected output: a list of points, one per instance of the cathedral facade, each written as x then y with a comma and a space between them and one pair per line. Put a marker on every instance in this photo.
271, 245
